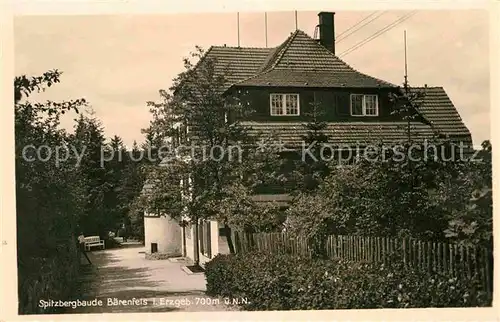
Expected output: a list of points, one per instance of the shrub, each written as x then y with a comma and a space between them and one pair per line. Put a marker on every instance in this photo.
287, 282
158, 256
110, 243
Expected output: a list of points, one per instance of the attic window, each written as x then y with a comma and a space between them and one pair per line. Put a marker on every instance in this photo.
284, 104
364, 105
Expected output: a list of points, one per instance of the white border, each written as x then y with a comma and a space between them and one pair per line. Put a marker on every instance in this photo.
8, 299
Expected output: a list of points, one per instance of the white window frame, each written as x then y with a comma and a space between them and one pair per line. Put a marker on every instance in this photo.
363, 105
283, 102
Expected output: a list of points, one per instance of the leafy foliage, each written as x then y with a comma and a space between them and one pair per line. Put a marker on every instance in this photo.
48, 197
467, 201
219, 173
286, 282
312, 169
58, 198
429, 193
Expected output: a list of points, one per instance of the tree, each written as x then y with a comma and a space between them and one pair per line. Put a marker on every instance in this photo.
116, 166
197, 113
89, 138
48, 194
131, 186
313, 168
467, 200
392, 196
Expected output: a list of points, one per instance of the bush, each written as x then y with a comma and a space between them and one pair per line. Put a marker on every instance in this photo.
47, 278
158, 256
110, 243
286, 282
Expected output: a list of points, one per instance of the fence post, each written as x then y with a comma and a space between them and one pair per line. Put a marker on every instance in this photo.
450, 249
386, 248
244, 242
336, 249
353, 247
456, 266
373, 249
487, 270
437, 262
467, 261
463, 268
369, 248
348, 247
476, 270
365, 248
419, 254
377, 249
404, 252
344, 252
434, 256
429, 256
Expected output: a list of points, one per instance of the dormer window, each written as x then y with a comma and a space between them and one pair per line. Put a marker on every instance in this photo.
364, 105
284, 104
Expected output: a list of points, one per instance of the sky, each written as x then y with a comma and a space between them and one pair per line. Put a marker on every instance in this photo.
119, 62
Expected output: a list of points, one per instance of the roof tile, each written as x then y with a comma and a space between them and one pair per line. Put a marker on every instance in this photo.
342, 133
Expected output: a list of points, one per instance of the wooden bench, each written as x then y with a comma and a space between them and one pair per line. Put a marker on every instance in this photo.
93, 241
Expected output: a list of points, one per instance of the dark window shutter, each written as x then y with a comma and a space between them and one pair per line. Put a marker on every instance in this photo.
200, 237
209, 240
342, 104
260, 102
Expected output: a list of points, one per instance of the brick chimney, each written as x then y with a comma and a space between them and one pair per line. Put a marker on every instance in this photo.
327, 30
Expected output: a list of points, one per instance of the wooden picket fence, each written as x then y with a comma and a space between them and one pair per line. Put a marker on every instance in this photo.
446, 258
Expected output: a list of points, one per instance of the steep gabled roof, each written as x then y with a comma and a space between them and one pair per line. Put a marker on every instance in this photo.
439, 110
233, 63
237, 63
299, 61
303, 61
340, 133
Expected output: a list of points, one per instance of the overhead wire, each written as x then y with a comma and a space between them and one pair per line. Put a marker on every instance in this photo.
377, 34
378, 14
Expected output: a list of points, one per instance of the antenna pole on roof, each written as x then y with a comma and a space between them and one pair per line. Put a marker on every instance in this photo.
296, 21
407, 93
406, 63
265, 25
238, 23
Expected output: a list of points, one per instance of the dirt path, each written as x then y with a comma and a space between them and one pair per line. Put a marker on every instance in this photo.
124, 281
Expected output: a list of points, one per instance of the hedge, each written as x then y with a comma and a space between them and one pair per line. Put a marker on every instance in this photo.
287, 282
46, 278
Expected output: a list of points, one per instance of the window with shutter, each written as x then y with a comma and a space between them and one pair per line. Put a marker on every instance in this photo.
364, 105
284, 104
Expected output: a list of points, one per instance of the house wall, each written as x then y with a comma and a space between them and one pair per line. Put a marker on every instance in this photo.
334, 102
216, 242
165, 232
188, 234
222, 242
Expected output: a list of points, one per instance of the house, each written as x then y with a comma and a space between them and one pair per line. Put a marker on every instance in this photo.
280, 83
